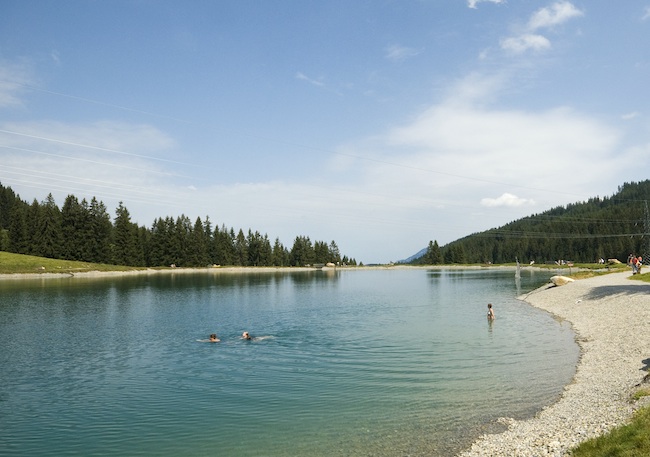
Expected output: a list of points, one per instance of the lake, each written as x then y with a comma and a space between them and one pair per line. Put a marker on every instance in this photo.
380, 362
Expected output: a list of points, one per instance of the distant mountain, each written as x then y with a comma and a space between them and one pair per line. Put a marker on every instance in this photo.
415, 256
599, 228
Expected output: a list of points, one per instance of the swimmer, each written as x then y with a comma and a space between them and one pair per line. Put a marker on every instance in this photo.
246, 336
214, 339
490, 313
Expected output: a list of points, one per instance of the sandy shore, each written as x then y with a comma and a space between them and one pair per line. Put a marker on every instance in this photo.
149, 271
611, 317
228, 270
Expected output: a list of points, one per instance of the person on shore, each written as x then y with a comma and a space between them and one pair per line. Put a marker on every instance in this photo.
490, 313
246, 336
633, 263
213, 338
639, 263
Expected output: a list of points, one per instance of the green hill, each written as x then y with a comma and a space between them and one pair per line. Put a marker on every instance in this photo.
20, 263
599, 228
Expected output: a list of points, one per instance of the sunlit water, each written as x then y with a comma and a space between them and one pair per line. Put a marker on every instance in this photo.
353, 363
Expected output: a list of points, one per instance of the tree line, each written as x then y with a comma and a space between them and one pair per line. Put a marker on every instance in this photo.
585, 232
84, 231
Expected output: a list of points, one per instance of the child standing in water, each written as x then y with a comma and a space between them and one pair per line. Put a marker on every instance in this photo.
490, 313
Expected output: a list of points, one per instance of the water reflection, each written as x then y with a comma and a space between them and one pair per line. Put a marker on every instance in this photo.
364, 362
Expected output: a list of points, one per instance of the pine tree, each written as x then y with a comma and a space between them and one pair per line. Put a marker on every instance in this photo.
74, 223
280, 255
125, 239
47, 236
241, 249
18, 240
100, 233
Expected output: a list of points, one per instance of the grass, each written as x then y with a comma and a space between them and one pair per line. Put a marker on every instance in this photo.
18, 263
631, 440
645, 277
641, 392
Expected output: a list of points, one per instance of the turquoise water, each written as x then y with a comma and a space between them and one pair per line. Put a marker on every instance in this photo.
351, 363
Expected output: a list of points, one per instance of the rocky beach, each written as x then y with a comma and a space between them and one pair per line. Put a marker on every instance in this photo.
610, 315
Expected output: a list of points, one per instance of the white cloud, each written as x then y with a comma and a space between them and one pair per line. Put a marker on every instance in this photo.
630, 116
464, 147
523, 43
547, 17
110, 160
506, 199
399, 53
556, 14
303, 77
14, 79
474, 3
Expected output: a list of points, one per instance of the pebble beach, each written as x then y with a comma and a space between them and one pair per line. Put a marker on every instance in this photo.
610, 315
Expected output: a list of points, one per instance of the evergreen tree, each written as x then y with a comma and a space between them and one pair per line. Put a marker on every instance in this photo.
266, 252
17, 236
198, 245
210, 245
321, 252
47, 236
434, 254
7, 201
125, 246
241, 249
75, 223
334, 253
280, 255
100, 232
302, 252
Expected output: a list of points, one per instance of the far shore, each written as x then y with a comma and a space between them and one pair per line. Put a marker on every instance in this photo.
235, 270
610, 315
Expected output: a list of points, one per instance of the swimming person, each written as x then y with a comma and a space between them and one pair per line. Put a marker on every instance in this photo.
246, 336
490, 313
214, 339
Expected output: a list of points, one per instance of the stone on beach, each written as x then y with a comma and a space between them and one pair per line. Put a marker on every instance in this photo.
561, 280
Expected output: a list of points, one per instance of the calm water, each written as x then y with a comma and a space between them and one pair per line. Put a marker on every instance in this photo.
353, 363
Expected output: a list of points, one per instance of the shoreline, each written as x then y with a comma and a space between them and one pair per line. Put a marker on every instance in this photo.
609, 315
233, 270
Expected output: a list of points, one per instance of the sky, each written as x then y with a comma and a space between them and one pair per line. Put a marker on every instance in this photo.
379, 124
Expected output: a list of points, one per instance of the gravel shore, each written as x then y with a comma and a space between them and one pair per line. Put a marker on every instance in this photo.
611, 317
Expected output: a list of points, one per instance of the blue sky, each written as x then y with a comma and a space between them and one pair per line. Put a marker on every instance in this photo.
378, 124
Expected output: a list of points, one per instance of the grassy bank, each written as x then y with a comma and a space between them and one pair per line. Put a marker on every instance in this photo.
18, 263
631, 440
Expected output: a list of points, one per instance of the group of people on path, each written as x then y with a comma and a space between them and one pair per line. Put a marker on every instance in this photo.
635, 262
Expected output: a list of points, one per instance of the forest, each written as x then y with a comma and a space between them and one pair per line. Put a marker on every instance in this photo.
585, 232
84, 231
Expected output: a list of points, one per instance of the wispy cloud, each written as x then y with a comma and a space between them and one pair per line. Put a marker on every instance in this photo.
301, 76
544, 18
630, 116
474, 3
522, 43
14, 78
398, 53
646, 13
56, 58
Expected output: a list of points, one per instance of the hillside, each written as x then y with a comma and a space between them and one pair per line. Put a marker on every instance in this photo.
599, 228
